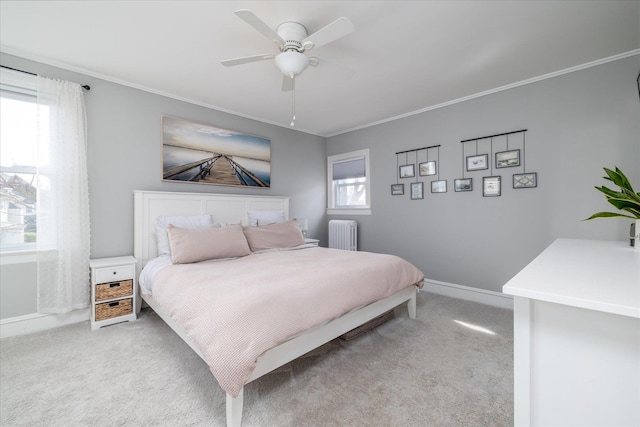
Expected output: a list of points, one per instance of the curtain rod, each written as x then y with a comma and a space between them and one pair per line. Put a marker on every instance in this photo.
417, 149
493, 136
87, 87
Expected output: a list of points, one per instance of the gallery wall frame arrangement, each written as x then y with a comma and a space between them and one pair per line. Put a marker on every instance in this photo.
417, 163
508, 158
205, 154
407, 169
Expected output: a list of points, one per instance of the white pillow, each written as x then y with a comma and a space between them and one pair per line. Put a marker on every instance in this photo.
265, 217
191, 221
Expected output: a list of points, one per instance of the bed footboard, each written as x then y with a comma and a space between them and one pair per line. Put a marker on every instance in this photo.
292, 349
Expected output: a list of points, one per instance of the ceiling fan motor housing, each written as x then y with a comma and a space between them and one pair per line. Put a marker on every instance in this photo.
292, 33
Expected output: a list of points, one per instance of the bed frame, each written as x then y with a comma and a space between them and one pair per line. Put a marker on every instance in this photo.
148, 205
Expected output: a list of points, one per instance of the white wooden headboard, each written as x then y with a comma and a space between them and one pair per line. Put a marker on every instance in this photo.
228, 208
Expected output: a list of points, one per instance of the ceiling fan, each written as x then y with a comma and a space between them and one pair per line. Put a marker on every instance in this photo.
293, 41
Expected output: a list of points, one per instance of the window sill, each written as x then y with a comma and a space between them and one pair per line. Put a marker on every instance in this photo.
363, 211
9, 257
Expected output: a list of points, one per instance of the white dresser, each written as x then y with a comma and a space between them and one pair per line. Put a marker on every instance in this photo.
577, 336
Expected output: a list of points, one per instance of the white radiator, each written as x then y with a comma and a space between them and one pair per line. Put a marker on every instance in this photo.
343, 234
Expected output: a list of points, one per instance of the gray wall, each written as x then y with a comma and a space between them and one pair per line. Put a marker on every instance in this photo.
124, 154
577, 123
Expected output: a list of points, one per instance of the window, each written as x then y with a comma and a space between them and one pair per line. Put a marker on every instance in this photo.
43, 166
18, 159
348, 183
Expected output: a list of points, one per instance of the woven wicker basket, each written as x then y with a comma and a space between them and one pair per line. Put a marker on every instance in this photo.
112, 290
108, 310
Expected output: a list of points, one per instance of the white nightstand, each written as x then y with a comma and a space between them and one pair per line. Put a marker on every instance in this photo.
113, 290
308, 241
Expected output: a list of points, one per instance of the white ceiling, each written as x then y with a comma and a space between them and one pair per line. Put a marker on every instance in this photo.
403, 57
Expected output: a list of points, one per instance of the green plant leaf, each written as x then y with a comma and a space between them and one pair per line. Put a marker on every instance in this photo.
631, 194
626, 183
625, 200
608, 215
610, 193
617, 177
624, 203
634, 210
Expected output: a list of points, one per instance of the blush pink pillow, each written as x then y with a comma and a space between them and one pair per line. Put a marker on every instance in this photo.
272, 236
193, 245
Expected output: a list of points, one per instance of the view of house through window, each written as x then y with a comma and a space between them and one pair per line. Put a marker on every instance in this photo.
18, 174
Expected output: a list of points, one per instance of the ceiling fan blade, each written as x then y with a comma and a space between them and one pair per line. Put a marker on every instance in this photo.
250, 18
288, 83
338, 28
246, 59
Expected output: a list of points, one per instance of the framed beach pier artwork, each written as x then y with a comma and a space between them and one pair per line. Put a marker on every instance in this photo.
196, 152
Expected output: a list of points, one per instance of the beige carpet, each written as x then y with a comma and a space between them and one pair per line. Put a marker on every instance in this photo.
433, 371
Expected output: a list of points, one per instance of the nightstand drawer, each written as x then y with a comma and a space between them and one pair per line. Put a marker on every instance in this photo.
112, 290
114, 274
108, 310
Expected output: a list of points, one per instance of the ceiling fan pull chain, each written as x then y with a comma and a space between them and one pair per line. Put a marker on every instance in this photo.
293, 102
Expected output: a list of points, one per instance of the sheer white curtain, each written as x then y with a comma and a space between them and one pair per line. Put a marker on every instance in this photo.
62, 198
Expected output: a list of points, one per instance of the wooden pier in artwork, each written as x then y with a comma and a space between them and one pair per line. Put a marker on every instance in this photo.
218, 169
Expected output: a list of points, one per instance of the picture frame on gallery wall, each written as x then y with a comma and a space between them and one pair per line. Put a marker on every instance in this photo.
491, 186
397, 189
407, 171
439, 186
477, 162
463, 184
427, 168
204, 154
508, 159
417, 190
525, 180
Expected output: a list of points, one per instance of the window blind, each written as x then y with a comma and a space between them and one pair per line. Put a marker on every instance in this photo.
350, 168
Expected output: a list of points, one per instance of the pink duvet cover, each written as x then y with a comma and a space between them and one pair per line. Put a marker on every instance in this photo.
236, 310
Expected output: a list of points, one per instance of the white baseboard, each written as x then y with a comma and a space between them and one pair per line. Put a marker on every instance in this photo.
482, 296
36, 322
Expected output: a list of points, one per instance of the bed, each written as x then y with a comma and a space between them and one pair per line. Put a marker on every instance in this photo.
175, 306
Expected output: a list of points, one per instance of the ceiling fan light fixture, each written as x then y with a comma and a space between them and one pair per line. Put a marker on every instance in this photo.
291, 63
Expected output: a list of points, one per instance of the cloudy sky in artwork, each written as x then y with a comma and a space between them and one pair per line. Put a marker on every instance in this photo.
183, 133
